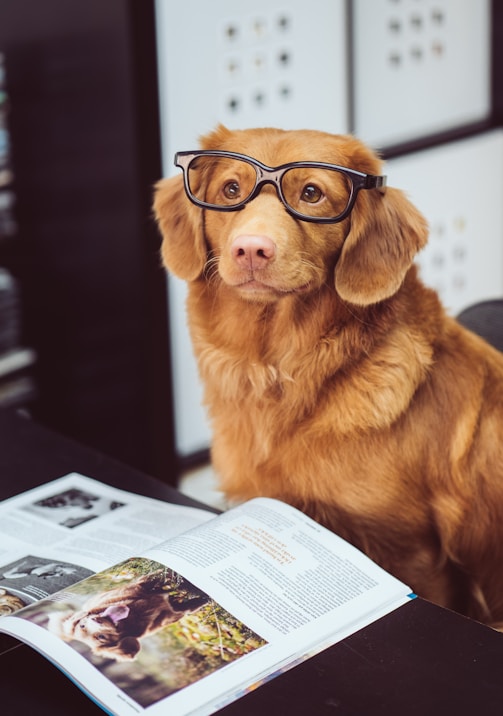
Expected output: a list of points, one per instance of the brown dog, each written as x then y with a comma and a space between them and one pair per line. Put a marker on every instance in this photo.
111, 624
333, 377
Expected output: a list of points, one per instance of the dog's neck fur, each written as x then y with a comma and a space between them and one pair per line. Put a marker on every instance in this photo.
267, 367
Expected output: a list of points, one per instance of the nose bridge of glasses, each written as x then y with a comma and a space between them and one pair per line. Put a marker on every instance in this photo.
268, 176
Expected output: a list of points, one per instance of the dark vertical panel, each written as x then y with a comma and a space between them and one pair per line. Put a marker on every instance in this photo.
497, 61
85, 153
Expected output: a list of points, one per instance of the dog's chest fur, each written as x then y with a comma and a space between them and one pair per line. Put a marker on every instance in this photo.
314, 389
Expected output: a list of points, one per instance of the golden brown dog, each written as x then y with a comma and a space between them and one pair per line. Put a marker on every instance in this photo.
333, 378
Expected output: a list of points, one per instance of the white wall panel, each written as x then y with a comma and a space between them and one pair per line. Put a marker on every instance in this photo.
459, 188
420, 67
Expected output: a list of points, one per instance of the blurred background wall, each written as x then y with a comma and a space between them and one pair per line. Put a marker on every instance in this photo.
96, 97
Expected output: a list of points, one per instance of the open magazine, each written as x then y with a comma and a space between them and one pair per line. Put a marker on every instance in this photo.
160, 608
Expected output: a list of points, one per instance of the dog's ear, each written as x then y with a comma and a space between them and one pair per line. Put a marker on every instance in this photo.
386, 233
181, 225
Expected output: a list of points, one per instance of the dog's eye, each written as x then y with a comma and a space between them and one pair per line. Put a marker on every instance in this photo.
311, 193
232, 190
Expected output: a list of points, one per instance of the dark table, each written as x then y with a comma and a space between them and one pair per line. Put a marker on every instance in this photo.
420, 659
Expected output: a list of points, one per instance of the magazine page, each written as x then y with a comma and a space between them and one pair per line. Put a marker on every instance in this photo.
211, 613
60, 533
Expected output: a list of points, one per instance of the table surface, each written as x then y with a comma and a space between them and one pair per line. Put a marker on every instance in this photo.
419, 659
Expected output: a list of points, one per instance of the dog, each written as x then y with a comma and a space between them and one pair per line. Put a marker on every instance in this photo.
112, 624
334, 379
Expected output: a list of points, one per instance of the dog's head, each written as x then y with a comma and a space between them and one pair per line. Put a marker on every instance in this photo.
106, 633
262, 251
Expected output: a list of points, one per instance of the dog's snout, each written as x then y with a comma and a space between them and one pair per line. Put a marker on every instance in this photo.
252, 252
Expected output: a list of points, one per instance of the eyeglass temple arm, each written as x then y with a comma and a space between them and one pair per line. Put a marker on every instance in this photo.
376, 182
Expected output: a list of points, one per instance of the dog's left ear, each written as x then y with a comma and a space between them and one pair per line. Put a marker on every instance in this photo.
386, 233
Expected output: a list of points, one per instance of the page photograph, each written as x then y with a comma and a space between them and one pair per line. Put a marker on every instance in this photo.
31, 578
73, 507
147, 629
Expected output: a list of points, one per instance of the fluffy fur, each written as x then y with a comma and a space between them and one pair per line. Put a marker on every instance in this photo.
336, 382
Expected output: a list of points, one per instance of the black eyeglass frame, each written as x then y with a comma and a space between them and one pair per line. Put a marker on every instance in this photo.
273, 175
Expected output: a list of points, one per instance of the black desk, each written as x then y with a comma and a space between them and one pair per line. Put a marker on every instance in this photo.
418, 660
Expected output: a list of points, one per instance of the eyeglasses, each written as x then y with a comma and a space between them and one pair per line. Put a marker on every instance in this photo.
310, 191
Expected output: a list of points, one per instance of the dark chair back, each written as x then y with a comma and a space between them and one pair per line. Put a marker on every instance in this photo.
485, 319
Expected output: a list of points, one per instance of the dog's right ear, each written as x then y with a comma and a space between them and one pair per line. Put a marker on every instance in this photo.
181, 225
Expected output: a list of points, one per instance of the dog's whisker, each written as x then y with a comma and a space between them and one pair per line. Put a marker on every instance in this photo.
361, 319
211, 268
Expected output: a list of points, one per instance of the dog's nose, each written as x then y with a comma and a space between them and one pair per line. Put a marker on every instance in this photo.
252, 252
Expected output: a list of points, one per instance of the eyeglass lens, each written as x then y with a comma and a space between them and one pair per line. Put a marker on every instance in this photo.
309, 191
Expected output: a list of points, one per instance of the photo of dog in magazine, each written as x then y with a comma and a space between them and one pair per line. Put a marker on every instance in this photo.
146, 629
